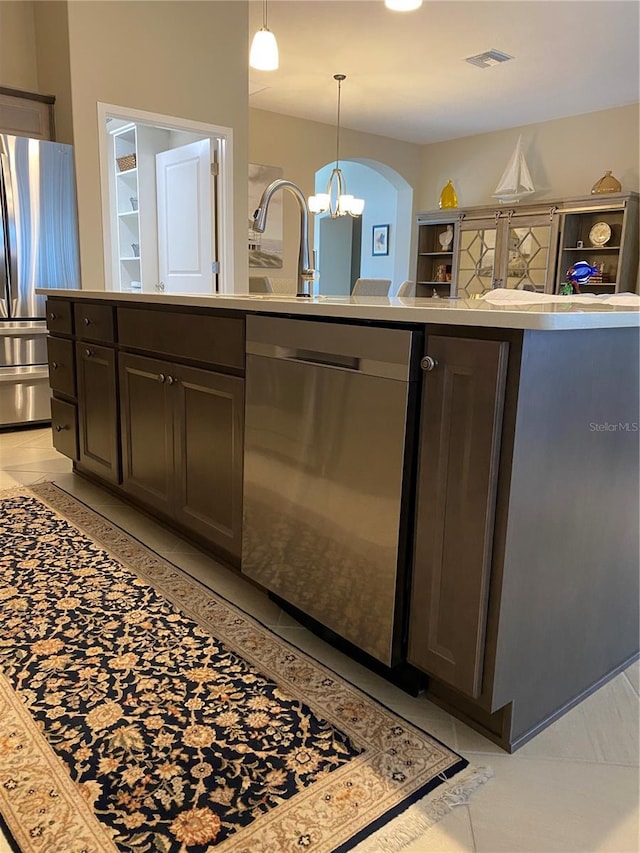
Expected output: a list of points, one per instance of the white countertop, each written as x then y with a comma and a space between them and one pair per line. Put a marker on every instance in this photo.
570, 313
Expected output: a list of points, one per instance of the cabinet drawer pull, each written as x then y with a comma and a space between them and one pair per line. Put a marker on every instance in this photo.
87, 321
161, 377
428, 363
54, 365
88, 353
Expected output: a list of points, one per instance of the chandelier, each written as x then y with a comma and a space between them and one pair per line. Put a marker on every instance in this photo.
337, 200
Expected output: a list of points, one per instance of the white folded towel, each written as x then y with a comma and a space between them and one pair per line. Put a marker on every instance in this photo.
507, 296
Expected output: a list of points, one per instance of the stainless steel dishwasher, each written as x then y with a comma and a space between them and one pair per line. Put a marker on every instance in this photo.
327, 441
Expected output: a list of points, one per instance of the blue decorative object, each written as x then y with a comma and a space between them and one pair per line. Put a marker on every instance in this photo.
580, 272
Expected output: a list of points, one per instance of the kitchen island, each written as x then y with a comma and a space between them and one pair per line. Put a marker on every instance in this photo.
514, 589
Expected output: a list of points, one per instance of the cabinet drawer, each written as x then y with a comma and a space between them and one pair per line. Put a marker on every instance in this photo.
213, 340
64, 426
62, 374
94, 322
59, 317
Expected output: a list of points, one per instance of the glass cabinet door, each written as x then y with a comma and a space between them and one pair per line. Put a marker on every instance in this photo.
476, 262
531, 250
511, 251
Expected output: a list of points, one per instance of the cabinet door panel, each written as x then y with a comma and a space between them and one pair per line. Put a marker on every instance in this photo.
98, 411
478, 258
208, 454
62, 371
147, 430
64, 427
460, 437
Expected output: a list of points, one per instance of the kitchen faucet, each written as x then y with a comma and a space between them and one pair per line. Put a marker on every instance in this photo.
306, 273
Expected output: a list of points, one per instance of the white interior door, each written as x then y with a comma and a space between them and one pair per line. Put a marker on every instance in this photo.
185, 245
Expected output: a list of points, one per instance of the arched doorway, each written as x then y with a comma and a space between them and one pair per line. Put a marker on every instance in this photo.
344, 245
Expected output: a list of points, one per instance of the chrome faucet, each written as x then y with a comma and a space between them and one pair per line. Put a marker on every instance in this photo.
306, 273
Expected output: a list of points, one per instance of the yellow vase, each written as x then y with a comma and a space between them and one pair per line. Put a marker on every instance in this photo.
448, 197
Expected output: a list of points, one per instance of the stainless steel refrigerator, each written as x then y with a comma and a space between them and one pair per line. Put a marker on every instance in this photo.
38, 249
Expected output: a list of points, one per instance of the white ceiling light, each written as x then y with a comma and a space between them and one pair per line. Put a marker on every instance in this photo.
403, 5
337, 200
264, 47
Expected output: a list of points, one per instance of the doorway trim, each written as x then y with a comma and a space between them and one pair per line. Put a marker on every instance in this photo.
224, 198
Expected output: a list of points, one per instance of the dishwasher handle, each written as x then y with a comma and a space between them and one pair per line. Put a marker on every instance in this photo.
325, 359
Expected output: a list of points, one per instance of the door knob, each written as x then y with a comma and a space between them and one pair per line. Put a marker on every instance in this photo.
428, 363
170, 380
87, 321
161, 377
88, 353
52, 316
60, 427
54, 365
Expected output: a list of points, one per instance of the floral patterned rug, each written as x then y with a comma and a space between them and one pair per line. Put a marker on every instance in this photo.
139, 711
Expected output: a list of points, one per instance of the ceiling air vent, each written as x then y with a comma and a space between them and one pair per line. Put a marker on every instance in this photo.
489, 58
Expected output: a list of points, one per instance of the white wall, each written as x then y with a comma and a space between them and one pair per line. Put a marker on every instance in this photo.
302, 147
18, 65
565, 158
184, 59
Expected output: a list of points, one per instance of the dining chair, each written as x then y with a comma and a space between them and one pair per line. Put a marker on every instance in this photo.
260, 284
407, 288
371, 287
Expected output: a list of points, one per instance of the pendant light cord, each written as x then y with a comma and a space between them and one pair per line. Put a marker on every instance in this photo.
339, 78
264, 15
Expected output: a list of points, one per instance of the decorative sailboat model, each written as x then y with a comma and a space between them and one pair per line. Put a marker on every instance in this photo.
515, 182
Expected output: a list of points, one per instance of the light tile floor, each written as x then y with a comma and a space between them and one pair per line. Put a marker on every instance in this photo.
575, 787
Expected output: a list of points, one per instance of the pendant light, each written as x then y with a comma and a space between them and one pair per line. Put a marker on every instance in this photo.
403, 5
337, 200
264, 47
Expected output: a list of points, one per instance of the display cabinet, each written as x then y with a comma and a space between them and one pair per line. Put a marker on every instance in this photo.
436, 245
603, 231
530, 247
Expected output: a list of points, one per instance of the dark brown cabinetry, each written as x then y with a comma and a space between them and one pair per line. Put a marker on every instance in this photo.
518, 608
62, 377
97, 386
167, 430
97, 410
182, 444
461, 422
26, 113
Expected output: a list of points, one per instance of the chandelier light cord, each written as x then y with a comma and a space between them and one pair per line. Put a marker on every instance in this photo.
339, 78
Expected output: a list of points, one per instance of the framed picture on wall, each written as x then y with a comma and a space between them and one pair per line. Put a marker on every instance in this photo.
380, 240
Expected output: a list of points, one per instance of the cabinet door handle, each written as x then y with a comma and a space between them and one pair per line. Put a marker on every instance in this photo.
171, 380
428, 363
54, 365
52, 316
88, 353
161, 377
87, 321
60, 427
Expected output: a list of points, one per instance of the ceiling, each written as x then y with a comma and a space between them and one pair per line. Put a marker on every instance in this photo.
406, 74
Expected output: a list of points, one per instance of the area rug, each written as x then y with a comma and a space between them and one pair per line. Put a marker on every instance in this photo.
139, 711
